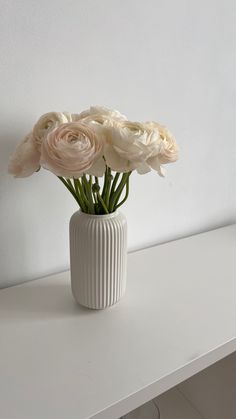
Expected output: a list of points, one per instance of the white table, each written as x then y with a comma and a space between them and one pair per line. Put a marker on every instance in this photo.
61, 361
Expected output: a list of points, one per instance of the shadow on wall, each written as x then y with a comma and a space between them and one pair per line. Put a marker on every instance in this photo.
17, 196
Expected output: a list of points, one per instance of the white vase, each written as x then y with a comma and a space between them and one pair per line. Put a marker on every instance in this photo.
98, 258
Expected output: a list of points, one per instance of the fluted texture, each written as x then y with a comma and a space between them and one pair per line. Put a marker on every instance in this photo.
98, 257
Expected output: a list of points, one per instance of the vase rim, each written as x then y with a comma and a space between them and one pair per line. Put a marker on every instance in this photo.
99, 216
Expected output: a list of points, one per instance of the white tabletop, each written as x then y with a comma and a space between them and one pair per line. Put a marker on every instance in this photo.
60, 361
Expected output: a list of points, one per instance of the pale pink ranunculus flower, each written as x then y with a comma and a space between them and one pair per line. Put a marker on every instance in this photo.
48, 121
99, 115
25, 159
129, 145
71, 150
169, 150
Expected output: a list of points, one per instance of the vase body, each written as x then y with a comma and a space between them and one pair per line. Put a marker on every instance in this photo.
98, 258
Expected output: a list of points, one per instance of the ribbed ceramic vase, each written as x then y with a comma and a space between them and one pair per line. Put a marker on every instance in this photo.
98, 258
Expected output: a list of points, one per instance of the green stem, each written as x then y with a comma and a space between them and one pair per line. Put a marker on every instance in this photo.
94, 191
108, 187
91, 201
82, 193
69, 183
76, 186
114, 183
88, 192
105, 183
113, 187
117, 193
80, 190
94, 197
126, 195
70, 189
102, 203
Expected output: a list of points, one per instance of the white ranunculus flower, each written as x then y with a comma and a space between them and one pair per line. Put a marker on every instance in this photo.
48, 121
100, 115
130, 145
25, 159
169, 150
73, 149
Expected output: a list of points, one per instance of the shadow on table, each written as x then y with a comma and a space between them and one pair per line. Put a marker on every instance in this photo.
37, 301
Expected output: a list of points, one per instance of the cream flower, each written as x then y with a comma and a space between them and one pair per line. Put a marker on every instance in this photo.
25, 159
100, 115
72, 149
169, 150
129, 145
48, 121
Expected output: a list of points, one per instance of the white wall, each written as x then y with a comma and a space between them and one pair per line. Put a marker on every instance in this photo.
171, 61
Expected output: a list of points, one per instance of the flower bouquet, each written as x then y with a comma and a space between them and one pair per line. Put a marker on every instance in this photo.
93, 153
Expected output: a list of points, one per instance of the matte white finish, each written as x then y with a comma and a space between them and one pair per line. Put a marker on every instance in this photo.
178, 316
98, 257
170, 61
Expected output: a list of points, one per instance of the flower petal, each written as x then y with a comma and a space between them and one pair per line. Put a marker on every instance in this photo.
98, 168
155, 164
25, 159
